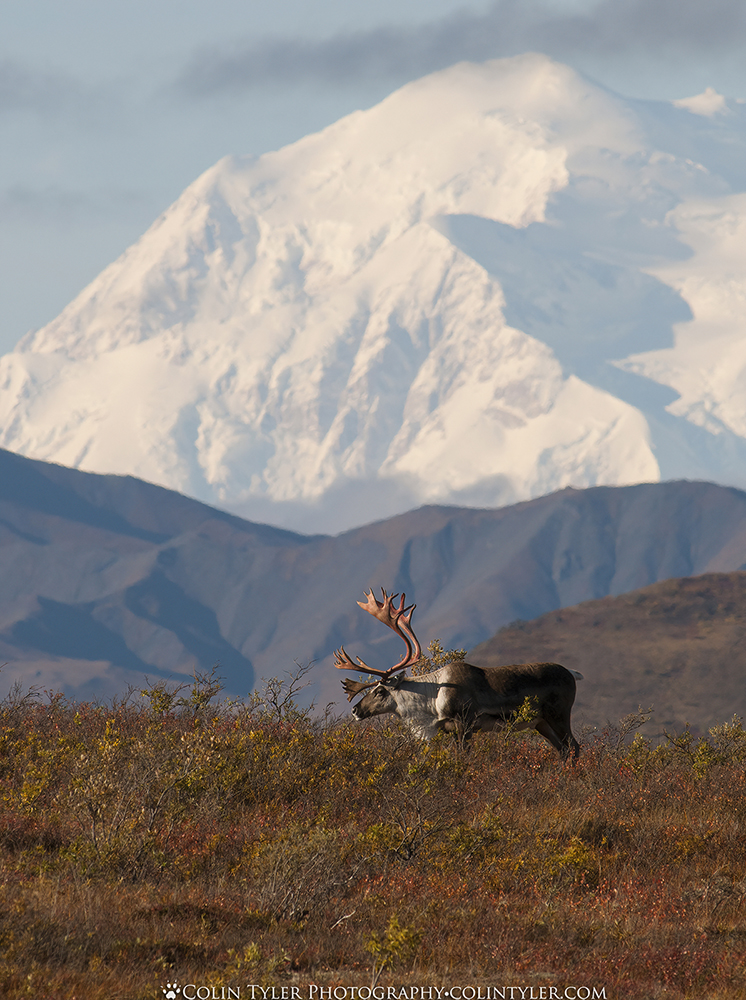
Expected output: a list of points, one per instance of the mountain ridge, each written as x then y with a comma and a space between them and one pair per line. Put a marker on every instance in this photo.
140, 581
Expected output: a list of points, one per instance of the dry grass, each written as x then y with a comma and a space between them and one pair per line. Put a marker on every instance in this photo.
170, 840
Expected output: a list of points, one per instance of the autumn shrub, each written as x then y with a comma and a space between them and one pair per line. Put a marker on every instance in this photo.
172, 834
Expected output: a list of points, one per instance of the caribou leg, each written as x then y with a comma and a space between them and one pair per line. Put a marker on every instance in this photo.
543, 727
560, 723
564, 744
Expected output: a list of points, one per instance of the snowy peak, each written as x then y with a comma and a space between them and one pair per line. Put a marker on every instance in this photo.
489, 286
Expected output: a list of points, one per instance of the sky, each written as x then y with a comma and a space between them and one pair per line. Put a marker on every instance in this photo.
109, 110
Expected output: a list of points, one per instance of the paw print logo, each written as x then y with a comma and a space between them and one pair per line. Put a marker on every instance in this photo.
171, 991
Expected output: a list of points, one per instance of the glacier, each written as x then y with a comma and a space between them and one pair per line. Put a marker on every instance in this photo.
500, 281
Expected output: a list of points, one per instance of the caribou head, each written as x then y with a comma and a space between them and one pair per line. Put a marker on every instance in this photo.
379, 700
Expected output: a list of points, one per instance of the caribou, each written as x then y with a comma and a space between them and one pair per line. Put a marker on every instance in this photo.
458, 697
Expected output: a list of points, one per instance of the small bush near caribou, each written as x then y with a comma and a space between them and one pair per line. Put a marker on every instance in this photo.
172, 840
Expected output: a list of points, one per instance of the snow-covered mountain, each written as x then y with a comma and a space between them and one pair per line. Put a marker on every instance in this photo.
501, 280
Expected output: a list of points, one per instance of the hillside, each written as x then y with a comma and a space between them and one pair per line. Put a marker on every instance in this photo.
106, 579
678, 646
500, 281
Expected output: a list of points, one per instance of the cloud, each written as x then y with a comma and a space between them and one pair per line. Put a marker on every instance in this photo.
51, 94
606, 27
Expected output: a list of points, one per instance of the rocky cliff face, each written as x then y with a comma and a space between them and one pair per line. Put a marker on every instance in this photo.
500, 281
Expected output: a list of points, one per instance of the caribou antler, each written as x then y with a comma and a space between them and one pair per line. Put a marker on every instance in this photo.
400, 621
353, 688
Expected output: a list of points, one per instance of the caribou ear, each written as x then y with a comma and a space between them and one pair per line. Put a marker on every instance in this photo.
395, 681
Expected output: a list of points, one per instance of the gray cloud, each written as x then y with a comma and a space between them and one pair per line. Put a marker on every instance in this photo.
611, 27
52, 94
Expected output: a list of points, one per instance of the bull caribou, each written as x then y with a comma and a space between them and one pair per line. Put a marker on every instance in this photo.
458, 697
